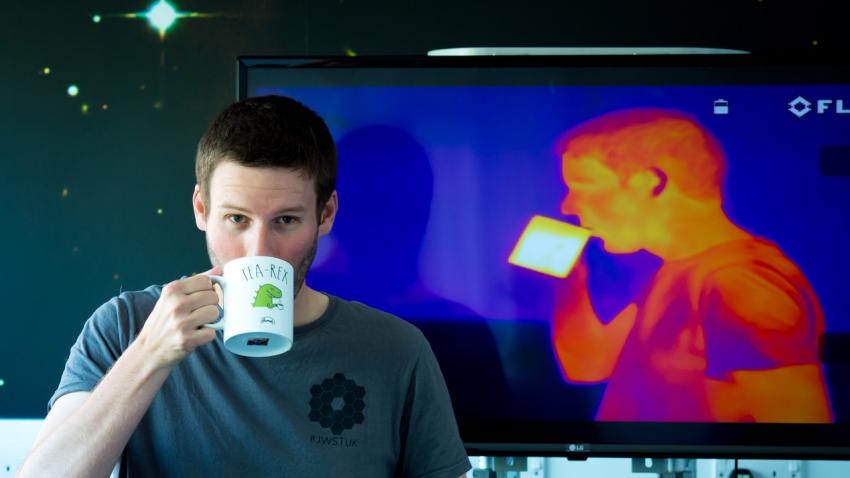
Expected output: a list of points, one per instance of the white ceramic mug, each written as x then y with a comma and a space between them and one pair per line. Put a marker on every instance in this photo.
549, 246
258, 306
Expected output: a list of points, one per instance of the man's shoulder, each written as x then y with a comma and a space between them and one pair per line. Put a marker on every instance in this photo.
116, 323
384, 325
725, 264
757, 258
749, 252
138, 300
128, 306
374, 316
764, 286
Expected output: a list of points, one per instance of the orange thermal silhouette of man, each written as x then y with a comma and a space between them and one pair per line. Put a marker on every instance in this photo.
727, 329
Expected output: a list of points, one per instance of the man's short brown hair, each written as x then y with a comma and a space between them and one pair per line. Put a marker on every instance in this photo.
628, 141
270, 131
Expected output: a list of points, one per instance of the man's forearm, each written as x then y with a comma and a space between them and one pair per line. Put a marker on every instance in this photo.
89, 441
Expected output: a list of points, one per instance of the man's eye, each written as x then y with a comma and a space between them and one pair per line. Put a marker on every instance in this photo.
286, 219
236, 218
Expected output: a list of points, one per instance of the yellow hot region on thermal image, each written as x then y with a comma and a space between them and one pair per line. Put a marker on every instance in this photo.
549, 246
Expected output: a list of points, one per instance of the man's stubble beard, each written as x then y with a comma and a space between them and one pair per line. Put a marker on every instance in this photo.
300, 269
305, 264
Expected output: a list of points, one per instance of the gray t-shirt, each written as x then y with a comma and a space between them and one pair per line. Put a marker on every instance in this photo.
359, 394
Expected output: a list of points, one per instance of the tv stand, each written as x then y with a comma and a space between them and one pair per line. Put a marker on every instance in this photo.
666, 467
501, 467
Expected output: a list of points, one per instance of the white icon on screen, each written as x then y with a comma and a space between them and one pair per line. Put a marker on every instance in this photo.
721, 107
799, 106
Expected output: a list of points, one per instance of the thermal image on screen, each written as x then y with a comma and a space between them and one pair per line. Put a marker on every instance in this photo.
609, 253
726, 325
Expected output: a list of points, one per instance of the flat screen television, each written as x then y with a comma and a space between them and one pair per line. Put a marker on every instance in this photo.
610, 255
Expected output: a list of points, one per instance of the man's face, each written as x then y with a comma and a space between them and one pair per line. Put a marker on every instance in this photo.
607, 205
262, 212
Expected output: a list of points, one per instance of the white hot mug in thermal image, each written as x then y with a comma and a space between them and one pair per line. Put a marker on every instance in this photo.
258, 306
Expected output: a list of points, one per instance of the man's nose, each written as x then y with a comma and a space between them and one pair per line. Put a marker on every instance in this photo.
260, 243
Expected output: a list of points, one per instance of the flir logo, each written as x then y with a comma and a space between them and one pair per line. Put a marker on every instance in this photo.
800, 106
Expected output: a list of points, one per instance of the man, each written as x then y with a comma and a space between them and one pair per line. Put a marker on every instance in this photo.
727, 329
147, 385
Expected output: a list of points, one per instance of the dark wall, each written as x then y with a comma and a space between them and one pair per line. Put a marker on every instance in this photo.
98, 202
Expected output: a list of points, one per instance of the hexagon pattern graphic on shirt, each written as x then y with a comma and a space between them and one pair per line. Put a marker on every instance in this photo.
337, 403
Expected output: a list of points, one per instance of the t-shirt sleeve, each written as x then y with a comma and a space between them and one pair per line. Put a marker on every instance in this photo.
103, 338
756, 318
431, 446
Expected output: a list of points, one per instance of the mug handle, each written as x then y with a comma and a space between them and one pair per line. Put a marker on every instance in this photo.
218, 324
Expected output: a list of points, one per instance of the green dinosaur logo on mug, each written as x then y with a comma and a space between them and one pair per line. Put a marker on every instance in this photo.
266, 295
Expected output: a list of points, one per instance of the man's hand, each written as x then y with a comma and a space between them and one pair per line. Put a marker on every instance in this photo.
175, 327
573, 289
587, 349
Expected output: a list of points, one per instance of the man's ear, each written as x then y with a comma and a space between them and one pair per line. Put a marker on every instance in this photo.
199, 209
649, 182
328, 214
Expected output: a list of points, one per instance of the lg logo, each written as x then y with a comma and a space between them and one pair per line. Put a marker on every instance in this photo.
800, 106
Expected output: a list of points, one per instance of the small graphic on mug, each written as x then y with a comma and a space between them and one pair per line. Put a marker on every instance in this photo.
266, 295
262, 341
267, 320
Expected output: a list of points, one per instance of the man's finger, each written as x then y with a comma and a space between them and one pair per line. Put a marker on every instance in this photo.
201, 299
204, 315
196, 283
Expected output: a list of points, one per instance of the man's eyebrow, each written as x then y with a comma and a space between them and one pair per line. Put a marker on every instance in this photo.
231, 206
293, 209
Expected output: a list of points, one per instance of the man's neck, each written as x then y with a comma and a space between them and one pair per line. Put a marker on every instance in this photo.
694, 230
309, 306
